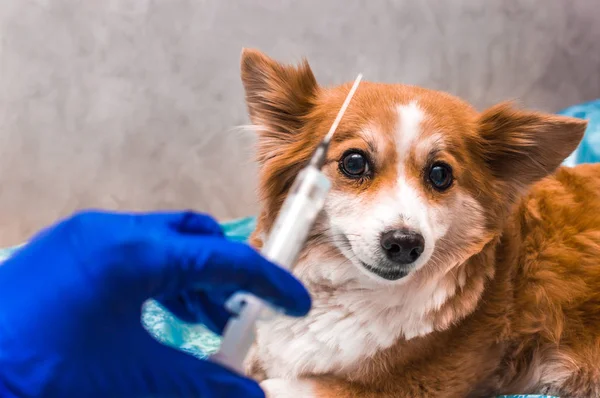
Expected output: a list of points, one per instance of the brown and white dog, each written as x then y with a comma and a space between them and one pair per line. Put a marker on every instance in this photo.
454, 258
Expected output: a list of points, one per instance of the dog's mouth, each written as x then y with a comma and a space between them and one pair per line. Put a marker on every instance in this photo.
387, 273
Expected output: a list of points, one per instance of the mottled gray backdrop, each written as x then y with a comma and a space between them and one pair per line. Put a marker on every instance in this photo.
131, 104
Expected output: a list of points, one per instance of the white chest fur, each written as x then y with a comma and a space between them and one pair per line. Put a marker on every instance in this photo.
346, 326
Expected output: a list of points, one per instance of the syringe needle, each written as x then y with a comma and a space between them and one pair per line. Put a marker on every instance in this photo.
342, 110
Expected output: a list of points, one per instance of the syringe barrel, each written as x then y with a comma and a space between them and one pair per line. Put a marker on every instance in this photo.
296, 217
239, 335
283, 246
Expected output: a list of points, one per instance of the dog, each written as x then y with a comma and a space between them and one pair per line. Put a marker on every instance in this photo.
454, 257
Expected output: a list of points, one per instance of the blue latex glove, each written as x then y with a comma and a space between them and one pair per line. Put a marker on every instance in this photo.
70, 306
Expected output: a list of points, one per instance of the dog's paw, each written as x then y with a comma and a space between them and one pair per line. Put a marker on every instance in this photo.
281, 388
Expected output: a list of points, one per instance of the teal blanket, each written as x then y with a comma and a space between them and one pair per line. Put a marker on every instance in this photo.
589, 149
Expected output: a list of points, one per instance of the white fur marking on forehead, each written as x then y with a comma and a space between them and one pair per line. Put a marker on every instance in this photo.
372, 136
409, 128
423, 147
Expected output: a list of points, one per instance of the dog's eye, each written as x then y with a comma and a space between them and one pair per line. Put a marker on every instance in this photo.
440, 176
354, 165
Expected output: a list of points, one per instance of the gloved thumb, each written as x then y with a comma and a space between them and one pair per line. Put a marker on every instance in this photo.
216, 266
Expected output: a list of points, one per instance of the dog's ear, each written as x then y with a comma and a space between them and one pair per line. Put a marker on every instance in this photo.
278, 96
522, 147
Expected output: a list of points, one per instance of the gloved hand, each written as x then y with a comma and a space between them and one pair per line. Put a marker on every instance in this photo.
70, 306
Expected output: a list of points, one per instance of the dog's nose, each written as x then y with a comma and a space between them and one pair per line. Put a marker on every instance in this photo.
402, 246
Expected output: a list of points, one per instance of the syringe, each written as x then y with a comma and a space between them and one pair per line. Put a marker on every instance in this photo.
286, 239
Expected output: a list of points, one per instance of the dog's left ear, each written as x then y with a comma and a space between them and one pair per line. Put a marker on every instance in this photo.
522, 147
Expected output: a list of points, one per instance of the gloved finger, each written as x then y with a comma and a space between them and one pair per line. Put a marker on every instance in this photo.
184, 222
236, 266
199, 307
174, 373
213, 264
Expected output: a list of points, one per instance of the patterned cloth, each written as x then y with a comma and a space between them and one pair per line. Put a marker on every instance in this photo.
589, 149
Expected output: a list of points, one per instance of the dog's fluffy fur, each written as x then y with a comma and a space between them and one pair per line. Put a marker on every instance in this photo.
505, 297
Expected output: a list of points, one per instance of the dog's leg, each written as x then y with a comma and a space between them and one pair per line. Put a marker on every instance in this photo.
584, 384
253, 366
325, 387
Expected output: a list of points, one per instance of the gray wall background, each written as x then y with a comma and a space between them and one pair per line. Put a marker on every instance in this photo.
132, 104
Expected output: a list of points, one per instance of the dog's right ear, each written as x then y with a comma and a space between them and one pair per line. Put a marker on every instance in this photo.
278, 96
